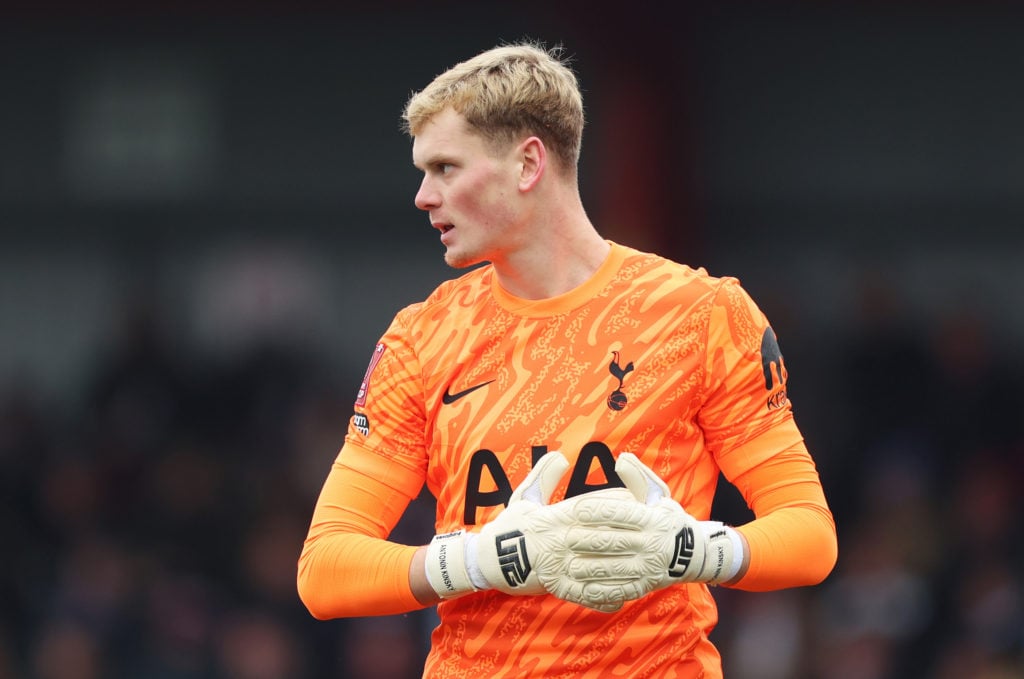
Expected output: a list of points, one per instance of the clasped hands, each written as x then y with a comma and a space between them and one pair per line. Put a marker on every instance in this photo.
598, 549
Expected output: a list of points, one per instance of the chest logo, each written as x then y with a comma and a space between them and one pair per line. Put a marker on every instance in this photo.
449, 398
617, 399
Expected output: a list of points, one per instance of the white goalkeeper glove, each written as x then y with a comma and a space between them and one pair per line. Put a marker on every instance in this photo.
525, 550
645, 543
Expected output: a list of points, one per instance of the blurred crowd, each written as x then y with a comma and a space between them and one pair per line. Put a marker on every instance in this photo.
923, 463
152, 530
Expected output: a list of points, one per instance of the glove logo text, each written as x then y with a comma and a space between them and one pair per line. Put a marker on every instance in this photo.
682, 553
446, 576
512, 557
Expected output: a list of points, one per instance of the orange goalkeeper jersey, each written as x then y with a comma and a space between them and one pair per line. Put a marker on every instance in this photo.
466, 390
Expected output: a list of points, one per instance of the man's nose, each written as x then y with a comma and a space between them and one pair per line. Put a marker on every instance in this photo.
427, 197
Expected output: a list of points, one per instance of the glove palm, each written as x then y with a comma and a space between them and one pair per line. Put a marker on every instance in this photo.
644, 542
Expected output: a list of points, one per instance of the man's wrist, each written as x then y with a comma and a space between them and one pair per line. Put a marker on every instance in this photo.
418, 583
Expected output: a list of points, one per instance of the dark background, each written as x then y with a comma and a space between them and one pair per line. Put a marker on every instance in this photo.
206, 221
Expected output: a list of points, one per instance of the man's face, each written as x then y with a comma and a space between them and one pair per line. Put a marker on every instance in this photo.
469, 189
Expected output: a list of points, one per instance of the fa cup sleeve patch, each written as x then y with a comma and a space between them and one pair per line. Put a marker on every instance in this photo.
365, 386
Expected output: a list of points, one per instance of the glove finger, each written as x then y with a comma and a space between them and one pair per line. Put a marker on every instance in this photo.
628, 591
609, 542
613, 508
599, 595
607, 608
605, 599
608, 508
606, 571
645, 485
620, 572
540, 483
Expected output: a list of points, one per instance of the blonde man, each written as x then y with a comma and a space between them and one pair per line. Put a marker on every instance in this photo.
570, 404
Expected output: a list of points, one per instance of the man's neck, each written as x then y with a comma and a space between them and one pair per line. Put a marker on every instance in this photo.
553, 265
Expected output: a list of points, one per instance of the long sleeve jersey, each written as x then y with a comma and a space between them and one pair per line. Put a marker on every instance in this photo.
466, 390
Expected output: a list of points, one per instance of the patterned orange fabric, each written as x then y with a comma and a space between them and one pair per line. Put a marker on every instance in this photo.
467, 389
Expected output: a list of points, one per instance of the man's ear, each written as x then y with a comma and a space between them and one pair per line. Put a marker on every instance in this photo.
533, 157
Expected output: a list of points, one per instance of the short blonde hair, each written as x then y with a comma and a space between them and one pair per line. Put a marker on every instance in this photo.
506, 92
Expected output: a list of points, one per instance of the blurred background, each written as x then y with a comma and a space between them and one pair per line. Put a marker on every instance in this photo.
206, 221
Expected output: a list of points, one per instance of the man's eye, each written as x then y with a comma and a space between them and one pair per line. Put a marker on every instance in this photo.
445, 168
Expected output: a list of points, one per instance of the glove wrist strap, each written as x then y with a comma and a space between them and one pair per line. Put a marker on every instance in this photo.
723, 555
446, 565
738, 555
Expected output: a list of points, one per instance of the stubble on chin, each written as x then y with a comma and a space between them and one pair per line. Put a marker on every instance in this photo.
459, 260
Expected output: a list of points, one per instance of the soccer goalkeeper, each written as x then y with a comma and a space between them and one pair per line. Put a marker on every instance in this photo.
570, 404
